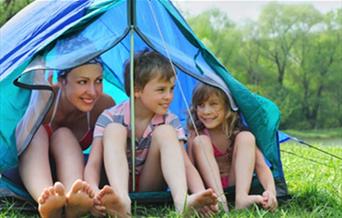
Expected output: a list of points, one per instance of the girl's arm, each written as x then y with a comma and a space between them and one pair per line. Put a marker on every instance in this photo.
266, 179
194, 180
92, 171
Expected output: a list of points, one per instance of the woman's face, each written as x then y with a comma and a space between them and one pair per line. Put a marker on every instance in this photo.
83, 86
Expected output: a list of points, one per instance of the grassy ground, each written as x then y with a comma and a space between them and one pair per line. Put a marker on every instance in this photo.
316, 187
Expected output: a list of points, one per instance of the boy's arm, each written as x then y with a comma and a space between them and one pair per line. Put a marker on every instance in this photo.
92, 169
194, 180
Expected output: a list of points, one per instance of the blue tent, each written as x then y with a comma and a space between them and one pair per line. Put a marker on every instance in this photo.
48, 36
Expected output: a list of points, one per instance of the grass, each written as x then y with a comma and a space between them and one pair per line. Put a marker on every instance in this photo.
316, 188
316, 133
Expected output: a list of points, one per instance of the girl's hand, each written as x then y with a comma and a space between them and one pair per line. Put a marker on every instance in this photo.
98, 210
269, 201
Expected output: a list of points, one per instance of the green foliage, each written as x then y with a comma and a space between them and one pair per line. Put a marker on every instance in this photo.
291, 55
8, 8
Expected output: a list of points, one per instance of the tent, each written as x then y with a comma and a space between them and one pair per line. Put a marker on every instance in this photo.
48, 36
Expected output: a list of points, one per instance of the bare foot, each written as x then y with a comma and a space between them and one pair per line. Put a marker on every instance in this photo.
51, 201
115, 206
79, 199
199, 202
244, 202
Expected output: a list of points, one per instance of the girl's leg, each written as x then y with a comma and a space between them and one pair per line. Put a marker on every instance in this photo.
68, 156
243, 165
165, 160
115, 198
205, 161
35, 172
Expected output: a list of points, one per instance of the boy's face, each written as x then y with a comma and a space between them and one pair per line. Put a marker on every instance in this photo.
157, 95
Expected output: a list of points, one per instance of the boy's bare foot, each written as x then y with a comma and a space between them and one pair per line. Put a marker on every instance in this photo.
79, 200
199, 202
51, 201
115, 206
244, 202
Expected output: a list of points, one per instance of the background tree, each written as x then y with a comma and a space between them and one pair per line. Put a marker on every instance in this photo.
8, 8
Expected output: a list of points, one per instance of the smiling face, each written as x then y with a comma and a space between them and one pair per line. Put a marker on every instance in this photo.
211, 112
156, 95
83, 86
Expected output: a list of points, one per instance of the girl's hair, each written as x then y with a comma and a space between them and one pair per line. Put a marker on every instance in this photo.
147, 66
202, 93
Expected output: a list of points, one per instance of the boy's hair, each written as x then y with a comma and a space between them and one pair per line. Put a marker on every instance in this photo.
202, 93
147, 66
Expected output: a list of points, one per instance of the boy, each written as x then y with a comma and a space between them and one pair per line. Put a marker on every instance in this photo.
161, 160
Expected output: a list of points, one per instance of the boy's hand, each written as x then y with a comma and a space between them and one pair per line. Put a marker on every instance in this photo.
269, 201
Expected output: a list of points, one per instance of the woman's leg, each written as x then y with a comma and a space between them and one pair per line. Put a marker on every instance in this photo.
205, 161
165, 163
69, 160
35, 172
243, 165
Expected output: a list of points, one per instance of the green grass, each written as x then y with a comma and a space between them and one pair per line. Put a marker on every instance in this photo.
316, 133
316, 188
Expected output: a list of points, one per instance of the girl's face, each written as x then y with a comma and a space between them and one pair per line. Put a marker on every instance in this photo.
211, 112
83, 86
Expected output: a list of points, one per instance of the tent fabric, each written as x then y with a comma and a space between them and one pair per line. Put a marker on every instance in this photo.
65, 34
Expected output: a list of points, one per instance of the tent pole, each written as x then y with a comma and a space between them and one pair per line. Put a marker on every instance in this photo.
131, 11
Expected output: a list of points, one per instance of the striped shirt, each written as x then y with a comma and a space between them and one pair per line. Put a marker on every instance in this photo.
121, 114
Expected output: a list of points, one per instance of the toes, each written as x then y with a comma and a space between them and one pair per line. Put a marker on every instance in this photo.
77, 186
59, 189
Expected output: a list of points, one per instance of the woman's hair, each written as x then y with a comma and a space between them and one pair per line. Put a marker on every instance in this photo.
202, 93
147, 66
63, 73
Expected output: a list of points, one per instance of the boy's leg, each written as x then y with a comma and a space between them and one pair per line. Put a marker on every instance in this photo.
35, 172
165, 159
69, 160
208, 167
243, 165
116, 198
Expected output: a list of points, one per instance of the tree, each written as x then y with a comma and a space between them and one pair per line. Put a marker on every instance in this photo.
8, 8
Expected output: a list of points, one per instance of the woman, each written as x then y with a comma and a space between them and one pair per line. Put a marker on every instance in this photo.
65, 132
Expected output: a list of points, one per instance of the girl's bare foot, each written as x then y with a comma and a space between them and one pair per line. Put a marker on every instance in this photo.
199, 202
79, 199
244, 202
115, 206
51, 201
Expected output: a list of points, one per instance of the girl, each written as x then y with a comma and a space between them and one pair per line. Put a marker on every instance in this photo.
65, 132
225, 152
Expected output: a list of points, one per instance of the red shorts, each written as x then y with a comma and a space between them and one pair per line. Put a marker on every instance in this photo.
137, 180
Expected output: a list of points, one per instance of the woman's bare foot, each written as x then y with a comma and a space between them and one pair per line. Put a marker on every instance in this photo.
244, 202
51, 201
79, 199
115, 206
198, 201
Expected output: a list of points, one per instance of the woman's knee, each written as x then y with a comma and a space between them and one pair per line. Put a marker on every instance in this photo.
61, 133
